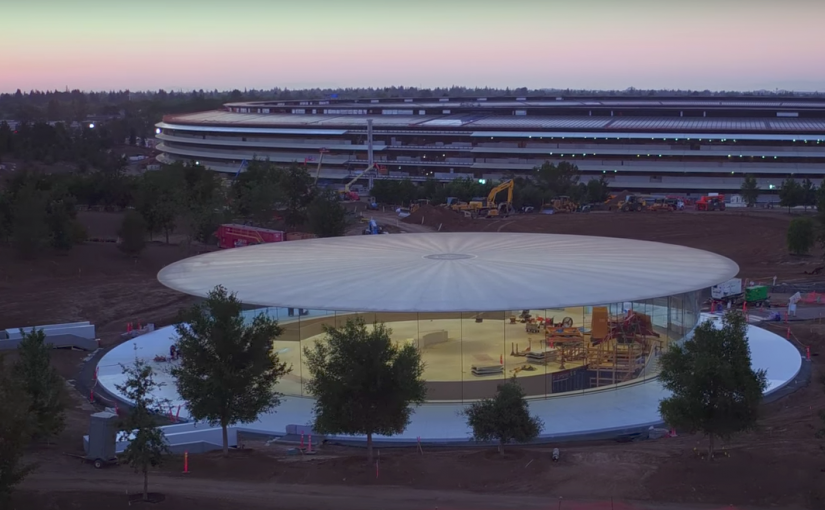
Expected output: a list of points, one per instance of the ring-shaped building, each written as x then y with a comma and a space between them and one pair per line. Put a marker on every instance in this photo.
563, 314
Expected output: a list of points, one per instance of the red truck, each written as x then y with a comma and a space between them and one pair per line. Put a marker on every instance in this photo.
235, 236
711, 202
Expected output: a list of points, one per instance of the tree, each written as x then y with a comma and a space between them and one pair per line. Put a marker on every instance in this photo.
597, 190
790, 194
558, 179
147, 446
504, 418
749, 190
801, 236
808, 194
257, 192
204, 202
15, 433
42, 384
228, 369
132, 233
325, 215
299, 191
363, 382
715, 390
820, 212
61, 223
160, 199
30, 233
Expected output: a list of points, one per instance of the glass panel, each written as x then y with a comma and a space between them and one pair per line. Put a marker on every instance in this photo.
438, 337
482, 353
311, 330
550, 352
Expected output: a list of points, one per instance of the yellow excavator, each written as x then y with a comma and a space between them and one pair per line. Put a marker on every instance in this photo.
493, 210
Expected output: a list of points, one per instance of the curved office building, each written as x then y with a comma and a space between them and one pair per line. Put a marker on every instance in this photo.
679, 145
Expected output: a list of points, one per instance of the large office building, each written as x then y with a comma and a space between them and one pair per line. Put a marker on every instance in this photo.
677, 145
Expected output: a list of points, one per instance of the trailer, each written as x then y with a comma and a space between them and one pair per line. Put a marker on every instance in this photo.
235, 236
732, 291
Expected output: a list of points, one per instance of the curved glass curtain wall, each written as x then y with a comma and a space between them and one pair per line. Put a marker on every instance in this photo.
468, 354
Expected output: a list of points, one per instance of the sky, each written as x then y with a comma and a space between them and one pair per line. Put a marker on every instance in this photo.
262, 44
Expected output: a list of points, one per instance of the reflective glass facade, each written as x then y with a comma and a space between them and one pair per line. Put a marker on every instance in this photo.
550, 351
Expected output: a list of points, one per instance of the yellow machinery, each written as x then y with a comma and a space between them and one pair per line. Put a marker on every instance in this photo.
633, 203
418, 203
503, 208
661, 205
346, 194
563, 205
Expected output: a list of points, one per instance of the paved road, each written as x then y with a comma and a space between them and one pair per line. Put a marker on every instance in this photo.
392, 219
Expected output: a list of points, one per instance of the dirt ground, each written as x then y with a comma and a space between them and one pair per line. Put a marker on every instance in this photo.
780, 465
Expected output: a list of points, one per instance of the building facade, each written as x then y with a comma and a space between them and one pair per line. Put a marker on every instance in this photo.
654, 145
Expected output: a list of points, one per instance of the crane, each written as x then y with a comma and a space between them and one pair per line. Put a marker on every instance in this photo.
351, 195
321, 151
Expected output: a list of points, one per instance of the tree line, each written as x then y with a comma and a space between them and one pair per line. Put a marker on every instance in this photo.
75, 104
803, 233
38, 211
547, 182
49, 143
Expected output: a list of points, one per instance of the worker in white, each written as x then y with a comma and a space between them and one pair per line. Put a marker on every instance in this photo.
792, 304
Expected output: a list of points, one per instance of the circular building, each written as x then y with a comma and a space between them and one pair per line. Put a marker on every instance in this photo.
562, 313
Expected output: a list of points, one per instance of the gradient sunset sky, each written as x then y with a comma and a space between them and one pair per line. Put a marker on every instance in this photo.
593, 44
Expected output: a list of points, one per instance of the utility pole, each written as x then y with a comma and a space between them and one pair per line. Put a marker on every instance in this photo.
370, 159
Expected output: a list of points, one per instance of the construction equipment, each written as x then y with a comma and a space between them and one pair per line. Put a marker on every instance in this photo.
349, 195
563, 204
457, 205
235, 236
732, 291
321, 153
711, 202
373, 228
632, 203
661, 205
414, 206
503, 208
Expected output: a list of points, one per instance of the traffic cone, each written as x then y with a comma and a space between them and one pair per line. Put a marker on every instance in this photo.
129, 327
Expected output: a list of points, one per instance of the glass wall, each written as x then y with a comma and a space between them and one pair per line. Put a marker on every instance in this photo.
549, 351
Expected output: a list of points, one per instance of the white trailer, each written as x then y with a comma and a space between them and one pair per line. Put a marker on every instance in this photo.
731, 289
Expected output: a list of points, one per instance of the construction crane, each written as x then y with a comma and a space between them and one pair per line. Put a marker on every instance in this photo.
321, 152
351, 195
346, 194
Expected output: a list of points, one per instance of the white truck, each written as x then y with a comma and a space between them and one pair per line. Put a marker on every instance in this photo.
729, 290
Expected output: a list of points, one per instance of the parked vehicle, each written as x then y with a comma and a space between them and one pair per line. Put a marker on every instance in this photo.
235, 236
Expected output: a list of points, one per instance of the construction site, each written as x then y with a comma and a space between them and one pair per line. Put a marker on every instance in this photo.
96, 283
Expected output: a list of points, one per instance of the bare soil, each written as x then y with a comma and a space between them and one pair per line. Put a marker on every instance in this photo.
780, 465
